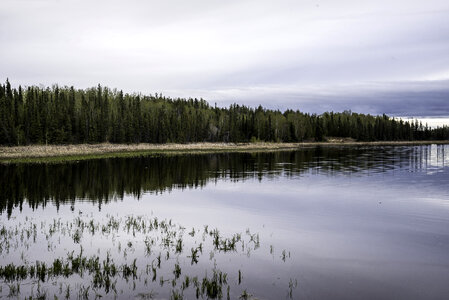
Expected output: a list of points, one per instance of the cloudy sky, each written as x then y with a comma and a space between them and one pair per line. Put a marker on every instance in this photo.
381, 56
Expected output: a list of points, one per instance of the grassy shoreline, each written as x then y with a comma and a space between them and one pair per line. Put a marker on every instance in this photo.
60, 153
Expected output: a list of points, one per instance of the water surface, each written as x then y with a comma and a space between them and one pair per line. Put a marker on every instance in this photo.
322, 222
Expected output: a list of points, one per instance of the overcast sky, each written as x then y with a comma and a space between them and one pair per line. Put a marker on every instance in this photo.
381, 56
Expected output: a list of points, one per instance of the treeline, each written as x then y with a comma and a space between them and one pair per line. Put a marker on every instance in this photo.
65, 115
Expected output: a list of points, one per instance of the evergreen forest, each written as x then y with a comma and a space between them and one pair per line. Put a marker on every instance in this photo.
65, 115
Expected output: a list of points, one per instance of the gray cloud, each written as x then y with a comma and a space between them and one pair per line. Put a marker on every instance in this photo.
405, 99
374, 57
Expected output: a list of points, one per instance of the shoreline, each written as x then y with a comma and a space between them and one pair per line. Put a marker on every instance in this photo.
60, 153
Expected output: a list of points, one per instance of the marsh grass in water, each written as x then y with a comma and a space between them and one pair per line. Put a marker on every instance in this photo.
160, 258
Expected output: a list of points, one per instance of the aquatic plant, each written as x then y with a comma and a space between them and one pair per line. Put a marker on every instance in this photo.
164, 261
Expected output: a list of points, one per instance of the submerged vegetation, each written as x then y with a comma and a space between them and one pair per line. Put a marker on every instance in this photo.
65, 115
169, 262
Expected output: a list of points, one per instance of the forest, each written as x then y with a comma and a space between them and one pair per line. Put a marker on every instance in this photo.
65, 115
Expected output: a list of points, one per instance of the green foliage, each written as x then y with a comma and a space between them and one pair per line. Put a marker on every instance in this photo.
63, 115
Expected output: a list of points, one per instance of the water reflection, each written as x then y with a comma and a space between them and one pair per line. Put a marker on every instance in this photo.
367, 222
105, 180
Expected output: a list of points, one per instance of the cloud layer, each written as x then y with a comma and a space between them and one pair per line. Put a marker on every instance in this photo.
374, 57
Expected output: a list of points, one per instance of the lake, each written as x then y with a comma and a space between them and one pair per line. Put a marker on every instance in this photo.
322, 222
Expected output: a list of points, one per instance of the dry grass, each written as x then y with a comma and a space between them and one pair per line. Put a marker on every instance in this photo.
40, 151
86, 149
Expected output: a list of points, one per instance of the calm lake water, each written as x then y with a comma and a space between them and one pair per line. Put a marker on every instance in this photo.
318, 223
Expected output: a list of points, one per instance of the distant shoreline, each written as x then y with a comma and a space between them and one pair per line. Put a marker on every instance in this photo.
60, 153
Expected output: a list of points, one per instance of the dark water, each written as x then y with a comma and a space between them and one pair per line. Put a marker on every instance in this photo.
319, 223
